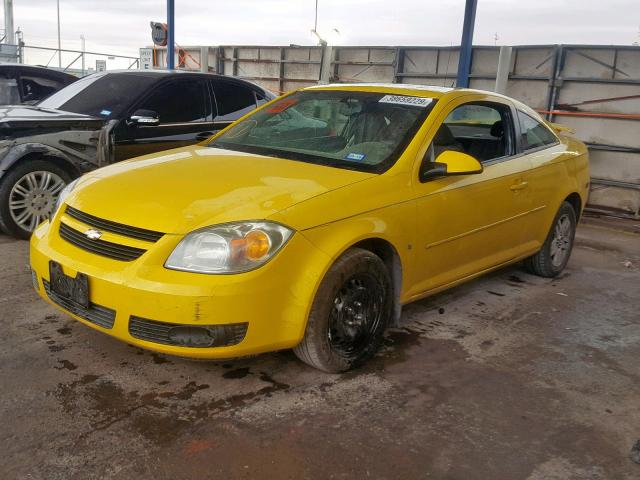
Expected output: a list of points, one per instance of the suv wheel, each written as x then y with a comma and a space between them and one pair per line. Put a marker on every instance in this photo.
28, 195
349, 313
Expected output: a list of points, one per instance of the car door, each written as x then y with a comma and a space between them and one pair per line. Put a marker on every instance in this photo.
467, 224
185, 112
545, 153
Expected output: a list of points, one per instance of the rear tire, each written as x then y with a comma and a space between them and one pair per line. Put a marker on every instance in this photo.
350, 312
28, 195
556, 250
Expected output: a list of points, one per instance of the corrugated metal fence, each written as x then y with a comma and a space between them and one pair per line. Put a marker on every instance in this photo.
593, 89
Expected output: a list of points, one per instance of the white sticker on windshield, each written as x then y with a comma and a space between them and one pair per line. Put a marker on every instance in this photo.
404, 100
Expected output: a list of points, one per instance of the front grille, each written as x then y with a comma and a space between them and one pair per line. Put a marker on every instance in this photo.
97, 314
222, 335
114, 227
99, 247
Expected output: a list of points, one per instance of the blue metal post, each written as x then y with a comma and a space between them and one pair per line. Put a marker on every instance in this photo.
464, 64
171, 17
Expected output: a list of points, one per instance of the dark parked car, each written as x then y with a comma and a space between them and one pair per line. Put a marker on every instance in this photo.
27, 84
101, 119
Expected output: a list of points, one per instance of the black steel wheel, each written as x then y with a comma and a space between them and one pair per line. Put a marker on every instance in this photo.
349, 315
356, 315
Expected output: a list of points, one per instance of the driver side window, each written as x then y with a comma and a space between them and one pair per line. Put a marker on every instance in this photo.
482, 130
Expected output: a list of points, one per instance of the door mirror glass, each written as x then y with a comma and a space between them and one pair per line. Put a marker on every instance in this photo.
144, 117
450, 163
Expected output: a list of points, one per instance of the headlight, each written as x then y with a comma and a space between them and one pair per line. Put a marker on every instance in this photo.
64, 193
229, 248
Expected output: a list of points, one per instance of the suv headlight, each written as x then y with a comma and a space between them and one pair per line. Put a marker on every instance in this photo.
229, 248
64, 193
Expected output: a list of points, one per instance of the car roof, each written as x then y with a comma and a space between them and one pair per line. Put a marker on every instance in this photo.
430, 91
36, 68
158, 73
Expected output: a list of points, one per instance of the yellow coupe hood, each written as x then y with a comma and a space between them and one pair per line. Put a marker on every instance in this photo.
184, 189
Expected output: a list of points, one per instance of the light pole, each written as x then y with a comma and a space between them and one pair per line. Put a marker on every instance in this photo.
315, 23
327, 54
59, 44
82, 41
464, 63
9, 34
171, 17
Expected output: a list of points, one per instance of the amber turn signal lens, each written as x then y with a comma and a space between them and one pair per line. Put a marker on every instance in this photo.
257, 245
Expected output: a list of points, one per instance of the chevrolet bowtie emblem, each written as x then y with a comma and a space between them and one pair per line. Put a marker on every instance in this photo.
93, 234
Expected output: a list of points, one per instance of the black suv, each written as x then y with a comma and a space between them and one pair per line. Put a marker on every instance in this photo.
28, 84
101, 119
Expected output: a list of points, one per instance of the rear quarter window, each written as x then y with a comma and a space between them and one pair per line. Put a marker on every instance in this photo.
233, 100
534, 134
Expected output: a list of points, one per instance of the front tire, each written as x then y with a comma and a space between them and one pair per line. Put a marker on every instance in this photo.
349, 314
28, 195
556, 250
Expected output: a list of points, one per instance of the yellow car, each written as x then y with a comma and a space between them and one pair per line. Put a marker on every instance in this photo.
308, 223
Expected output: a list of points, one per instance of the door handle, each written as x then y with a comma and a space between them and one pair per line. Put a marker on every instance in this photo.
518, 186
203, 136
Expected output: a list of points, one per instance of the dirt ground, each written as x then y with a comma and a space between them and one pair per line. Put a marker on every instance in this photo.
507, 377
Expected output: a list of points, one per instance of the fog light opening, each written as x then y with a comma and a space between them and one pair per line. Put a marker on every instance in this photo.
190, 336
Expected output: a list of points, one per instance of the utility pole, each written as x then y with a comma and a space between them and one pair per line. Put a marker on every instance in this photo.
9, 34
171, 41
464, 64
315, 23
82, 41
59, 44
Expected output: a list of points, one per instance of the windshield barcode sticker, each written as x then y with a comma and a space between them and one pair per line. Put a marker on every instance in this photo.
404, 100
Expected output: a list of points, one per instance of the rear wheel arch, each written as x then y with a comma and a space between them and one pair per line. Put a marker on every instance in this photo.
576, 202
554, 253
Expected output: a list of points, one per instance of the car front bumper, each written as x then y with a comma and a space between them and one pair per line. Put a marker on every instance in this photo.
270, 304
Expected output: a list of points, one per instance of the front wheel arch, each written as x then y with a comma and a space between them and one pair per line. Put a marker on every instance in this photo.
58, 161
20, 154
23, 203
336, 297
389, 255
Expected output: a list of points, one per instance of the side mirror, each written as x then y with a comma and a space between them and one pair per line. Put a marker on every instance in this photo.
450, 163
144, 117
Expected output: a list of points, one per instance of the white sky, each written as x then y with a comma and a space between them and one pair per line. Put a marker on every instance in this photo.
122, 26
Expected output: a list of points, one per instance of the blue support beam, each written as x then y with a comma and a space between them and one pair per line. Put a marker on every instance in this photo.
171, 39
464, 64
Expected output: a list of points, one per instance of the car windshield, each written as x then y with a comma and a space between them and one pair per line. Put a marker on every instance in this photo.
100, 95
356, 130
